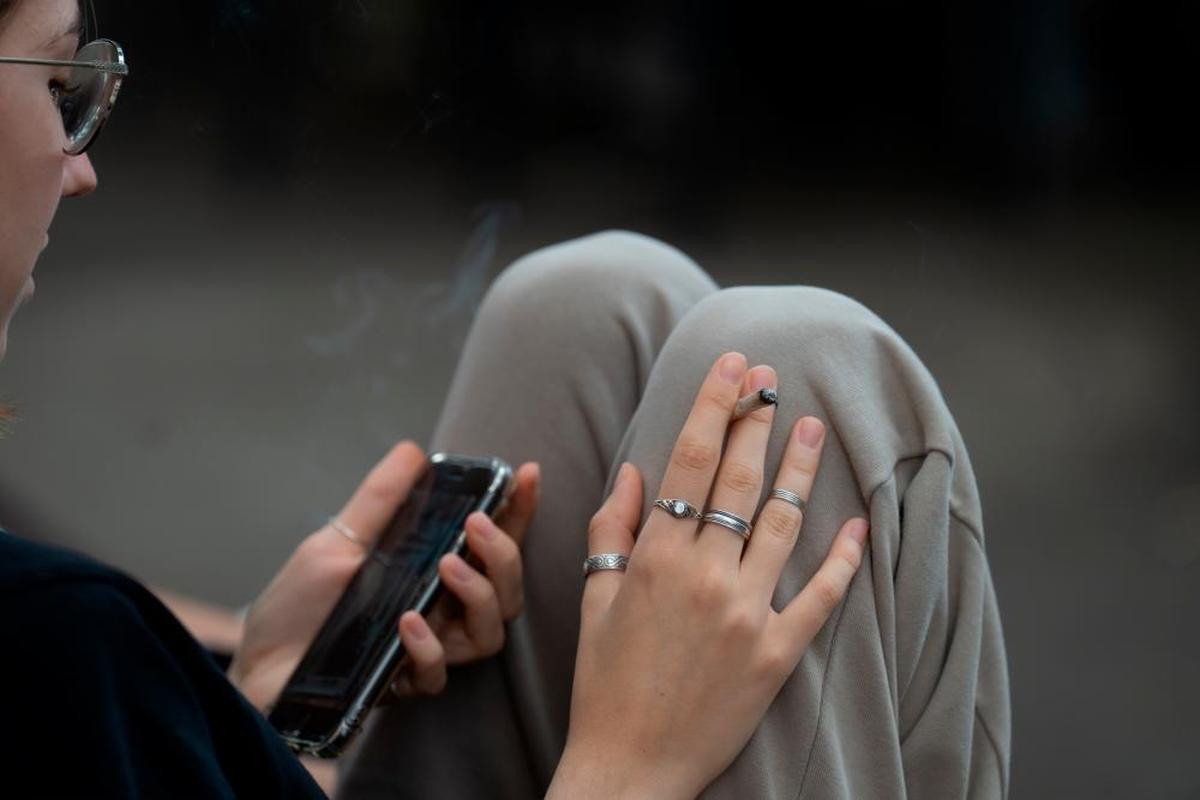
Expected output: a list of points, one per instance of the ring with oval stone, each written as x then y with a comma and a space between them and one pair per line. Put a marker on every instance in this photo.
679, 509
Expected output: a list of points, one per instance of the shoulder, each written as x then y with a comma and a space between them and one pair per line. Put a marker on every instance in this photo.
81, 633
78, 623
25, 564
65, 602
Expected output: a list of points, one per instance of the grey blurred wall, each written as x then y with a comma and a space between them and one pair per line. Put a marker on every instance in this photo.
301, 204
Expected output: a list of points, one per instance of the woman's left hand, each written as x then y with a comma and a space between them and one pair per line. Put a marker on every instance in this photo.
287, 615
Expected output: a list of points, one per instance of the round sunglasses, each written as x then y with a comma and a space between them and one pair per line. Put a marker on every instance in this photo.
88, 95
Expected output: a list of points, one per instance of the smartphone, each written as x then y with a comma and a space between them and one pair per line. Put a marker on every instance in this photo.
354, 657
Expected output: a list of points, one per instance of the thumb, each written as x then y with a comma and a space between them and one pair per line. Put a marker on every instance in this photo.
516, 518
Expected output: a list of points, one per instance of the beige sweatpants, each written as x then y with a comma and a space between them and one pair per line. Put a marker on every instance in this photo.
589, 353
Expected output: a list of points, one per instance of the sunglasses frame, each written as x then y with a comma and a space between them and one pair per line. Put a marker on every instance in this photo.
117, 67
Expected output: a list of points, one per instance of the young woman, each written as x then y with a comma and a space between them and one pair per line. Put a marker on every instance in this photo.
601, 352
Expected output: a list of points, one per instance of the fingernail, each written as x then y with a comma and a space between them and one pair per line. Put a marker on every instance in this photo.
484, 527
622, 475
732, 367
810, 432
762, 377
858, 531
458, 568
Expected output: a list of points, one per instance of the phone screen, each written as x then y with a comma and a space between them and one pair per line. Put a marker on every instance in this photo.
362, 624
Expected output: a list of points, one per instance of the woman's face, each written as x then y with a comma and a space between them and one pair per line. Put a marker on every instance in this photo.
34, 171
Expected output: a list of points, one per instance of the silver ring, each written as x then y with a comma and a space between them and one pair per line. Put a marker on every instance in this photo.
679, 509
731, 521
604, 561
346, 531
789, 497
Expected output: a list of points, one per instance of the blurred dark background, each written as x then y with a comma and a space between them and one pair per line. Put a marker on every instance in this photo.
301, 203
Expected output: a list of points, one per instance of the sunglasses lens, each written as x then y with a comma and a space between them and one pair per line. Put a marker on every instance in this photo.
86, 98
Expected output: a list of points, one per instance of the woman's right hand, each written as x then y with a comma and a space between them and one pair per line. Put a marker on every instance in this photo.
680, 656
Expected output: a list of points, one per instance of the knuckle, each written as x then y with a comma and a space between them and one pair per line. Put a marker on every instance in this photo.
312, 546
740, 477
381, 491
437, 653
694, 456
775, 663
827, 592
781, 523
852, 555
428, 659
486, 595
435, 682
599, 524
763, 416
508, 560
802, 474
712, 589
716, 402
742, 624
650, 564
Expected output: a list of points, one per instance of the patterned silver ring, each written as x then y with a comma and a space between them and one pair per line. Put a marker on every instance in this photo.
347, 532
604, 561
789, 497
679, 509
731, 521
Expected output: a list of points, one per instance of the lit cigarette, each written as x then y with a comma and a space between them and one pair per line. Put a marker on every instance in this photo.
753, 402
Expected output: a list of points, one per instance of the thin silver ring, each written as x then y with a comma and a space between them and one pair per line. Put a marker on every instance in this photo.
603, 561
731, 521
346, 531
789, 497
679, 509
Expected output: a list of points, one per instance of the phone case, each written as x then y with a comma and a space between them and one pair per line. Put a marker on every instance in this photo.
384, 673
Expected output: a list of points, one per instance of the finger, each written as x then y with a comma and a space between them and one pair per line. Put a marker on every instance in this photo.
801, 619
740, 477
482, 620
697, 451
381, 492
427, 659
778, 525
501, 560
611, 531
517, 516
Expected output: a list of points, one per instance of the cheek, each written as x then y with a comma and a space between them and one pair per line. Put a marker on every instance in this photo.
31, 161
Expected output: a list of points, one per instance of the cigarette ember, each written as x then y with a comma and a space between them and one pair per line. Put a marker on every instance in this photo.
753, 402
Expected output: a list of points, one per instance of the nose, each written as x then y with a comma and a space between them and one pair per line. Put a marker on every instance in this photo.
79, 177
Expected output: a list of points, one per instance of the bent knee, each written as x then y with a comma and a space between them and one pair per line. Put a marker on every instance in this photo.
758, 318
611, 264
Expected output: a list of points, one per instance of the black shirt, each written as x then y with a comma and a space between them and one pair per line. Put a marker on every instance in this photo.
104, 694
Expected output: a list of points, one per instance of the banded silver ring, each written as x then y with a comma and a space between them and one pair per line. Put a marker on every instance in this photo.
789, 497
727, 520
